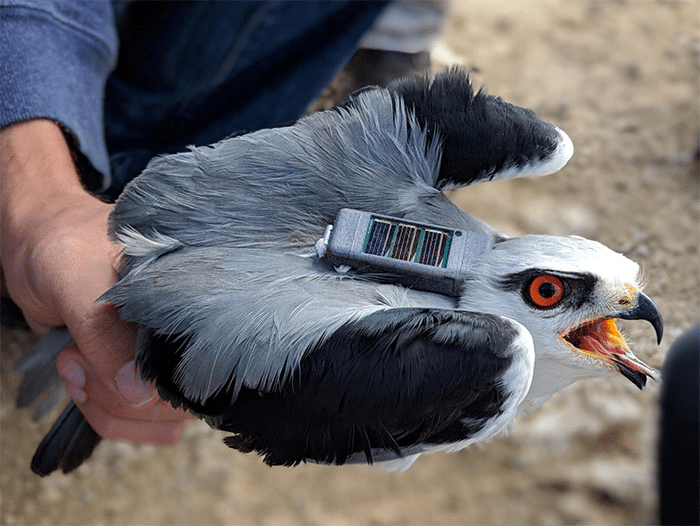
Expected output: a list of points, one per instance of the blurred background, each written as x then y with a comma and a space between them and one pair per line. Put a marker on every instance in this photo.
622, 78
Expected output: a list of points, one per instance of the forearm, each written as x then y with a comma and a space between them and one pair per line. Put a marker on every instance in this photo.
36, 169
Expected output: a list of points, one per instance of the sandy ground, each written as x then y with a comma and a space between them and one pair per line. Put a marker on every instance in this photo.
622, 78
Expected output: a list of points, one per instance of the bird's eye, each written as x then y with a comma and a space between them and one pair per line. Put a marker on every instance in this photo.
546, 291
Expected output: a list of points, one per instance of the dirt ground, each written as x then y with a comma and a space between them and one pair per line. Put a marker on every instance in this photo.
622, 79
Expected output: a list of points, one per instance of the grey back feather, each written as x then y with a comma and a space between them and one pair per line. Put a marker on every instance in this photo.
283, 185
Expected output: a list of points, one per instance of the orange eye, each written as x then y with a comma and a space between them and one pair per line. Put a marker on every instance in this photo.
546, 290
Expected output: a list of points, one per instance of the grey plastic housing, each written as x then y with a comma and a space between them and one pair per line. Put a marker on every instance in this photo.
416, 255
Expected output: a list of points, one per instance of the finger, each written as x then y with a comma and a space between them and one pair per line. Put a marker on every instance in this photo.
136, 431
36, 327
115, 257
106, 341
132, 388
77, 372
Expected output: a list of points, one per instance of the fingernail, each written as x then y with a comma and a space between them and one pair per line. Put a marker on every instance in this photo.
132, 388
73, 374
77, 394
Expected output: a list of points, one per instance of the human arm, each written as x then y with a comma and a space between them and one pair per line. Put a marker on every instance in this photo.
57, 260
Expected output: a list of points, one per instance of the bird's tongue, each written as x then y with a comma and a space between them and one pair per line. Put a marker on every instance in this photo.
601, 338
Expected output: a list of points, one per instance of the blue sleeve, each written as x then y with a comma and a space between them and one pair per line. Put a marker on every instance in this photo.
56, 56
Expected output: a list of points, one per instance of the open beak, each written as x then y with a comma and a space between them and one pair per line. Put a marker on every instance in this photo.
602, 340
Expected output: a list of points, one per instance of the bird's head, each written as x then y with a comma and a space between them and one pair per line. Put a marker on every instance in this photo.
568, 292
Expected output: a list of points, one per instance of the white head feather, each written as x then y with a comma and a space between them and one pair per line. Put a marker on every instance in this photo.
614, 276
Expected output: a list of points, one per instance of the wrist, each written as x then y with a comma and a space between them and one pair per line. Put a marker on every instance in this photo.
35, 165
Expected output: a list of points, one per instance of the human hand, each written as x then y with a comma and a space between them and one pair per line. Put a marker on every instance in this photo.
57, 260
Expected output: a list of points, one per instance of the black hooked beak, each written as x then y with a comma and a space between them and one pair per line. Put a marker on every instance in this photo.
645, 309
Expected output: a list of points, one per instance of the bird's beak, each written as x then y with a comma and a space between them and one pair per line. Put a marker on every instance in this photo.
628, 364
645, 309
602, 340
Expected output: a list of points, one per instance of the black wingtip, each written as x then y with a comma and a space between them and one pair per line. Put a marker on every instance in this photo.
68, 444
482, 136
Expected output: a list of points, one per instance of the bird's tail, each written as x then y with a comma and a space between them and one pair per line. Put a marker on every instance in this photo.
71, 440
67, 445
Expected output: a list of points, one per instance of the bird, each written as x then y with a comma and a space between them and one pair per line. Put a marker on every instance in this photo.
243, 324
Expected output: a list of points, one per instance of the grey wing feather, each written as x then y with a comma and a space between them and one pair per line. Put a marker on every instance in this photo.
42, 387
249, 314
71, 440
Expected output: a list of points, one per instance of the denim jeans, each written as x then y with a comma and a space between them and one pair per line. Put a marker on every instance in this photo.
192, 73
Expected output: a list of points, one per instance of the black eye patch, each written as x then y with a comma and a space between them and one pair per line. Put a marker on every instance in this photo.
547, 288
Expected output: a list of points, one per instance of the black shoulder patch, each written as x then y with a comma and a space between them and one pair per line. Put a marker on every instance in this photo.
391, 380
157, 359
394, 379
